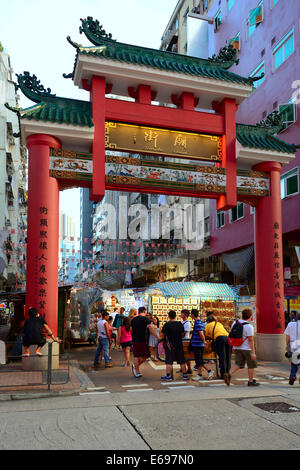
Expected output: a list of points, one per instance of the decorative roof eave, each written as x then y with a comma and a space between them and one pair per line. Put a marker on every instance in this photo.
72, 137
165, 82
95, 33
248, 157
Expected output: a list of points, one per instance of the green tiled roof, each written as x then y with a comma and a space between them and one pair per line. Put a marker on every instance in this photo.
107, 48
61, 111
262, 138
50, 108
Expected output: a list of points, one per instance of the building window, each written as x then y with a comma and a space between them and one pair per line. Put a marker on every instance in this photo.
284, 49
218, 20
260, 69
237, 212
220, 221
230, 4
289, 183
255, 18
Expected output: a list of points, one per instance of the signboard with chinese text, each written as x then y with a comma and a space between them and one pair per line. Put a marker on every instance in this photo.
165, 142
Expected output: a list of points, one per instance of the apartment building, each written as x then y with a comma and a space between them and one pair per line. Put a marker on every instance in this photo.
266, 34
13, 192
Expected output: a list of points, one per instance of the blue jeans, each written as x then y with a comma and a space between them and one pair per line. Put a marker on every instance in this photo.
294, 370
103, 343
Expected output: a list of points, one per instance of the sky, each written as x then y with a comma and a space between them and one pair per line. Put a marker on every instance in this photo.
33, 33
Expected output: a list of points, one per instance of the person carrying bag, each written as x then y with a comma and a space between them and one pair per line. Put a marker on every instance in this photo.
217, 336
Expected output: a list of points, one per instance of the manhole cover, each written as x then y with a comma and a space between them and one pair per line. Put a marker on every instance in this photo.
277, 407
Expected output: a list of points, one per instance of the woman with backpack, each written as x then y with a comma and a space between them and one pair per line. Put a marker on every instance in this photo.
241, 338
216, 332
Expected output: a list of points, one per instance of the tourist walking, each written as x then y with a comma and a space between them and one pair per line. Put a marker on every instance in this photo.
154, 338
243, 333
140, 325
33, 333
118, 322
103, 340
132, 313
125, 334
215, 331
197, 344
172, 333
187, 335
292, 334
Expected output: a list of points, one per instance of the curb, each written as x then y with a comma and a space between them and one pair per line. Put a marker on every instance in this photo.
85, 381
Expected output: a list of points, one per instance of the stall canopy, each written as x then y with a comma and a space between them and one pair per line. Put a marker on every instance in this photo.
205, 290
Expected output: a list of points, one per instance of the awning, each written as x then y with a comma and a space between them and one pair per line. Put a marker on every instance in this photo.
204, 290
241, 262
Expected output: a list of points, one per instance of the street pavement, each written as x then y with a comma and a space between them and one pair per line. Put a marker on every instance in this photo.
112, 410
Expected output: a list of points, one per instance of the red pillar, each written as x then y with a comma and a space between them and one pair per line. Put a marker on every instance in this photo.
42, 231
98, 110
268, 259
228, 108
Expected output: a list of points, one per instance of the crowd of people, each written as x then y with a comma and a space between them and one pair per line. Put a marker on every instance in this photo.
140, 333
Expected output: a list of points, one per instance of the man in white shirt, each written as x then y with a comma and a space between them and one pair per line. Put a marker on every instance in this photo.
245, 353
187, 333
292, 334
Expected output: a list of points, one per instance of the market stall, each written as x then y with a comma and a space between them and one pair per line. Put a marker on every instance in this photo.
127, 298
217, 298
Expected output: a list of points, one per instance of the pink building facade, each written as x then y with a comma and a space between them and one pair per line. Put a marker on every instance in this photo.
271, 46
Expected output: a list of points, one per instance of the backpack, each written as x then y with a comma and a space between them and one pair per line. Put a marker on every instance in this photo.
235, 337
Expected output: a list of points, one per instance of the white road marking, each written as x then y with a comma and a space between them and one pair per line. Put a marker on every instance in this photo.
135, 385
140, 390
182, 387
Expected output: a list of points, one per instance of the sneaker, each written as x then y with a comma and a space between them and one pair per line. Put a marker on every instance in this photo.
227, 379
184, 377
138, 375
26, 354
38, 353
195, 367
253, 384
189, 371
210, 375
292, 380
166, 377
109, 364
197, 378
135, 373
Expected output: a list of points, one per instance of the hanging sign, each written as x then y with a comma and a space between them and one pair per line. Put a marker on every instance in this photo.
166, 142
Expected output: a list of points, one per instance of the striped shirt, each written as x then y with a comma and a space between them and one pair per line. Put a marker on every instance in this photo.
199, 325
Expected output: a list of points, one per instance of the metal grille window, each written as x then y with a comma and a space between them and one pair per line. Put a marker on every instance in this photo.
289, 183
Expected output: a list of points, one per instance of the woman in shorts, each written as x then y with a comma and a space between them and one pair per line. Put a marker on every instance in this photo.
125, 335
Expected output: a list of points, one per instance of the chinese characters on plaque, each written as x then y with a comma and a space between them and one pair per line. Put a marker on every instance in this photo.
140, 139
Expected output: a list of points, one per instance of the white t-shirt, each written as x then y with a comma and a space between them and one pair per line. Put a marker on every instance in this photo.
101, 328
248, 330
187, 329
291, 331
